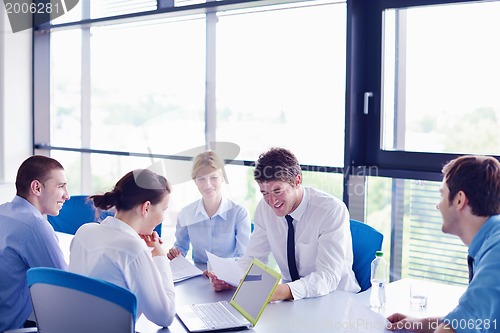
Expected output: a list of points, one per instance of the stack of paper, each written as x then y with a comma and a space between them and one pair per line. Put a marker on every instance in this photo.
183, 269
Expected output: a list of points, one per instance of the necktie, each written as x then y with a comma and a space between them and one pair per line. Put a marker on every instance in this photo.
470, 260
290, 250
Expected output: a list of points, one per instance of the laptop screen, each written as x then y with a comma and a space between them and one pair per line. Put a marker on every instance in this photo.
255, 291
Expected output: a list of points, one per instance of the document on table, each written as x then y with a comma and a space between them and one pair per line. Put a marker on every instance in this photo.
359, 318
226, 269
183, 269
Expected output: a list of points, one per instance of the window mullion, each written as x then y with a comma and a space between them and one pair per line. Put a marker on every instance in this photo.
210, 81
86, 177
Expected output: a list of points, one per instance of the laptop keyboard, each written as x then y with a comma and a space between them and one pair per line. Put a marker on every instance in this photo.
215, 315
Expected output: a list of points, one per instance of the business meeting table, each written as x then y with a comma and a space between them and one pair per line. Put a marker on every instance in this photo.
338, 311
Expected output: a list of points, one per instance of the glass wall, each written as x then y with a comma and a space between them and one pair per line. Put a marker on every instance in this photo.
134, 94
281, 81
425, 251
152, 83
148, 95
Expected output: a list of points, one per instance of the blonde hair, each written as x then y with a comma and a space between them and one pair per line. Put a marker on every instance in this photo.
208, 159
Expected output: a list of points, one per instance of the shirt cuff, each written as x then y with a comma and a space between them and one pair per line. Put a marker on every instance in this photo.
297, 289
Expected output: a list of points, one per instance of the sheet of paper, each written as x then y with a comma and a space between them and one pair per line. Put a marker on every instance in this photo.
359, 318
183, 269
226, 269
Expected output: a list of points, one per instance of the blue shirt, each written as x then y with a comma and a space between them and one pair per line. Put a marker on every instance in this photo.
26, 240
478, 309
226, 234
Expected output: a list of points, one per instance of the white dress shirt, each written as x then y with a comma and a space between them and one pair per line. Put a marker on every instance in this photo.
323, 244
114, 252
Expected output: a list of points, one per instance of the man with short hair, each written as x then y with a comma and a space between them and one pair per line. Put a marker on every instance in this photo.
26, 238
315, 223
470, 207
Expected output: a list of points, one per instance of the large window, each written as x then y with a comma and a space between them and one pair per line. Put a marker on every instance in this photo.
405, 212
430, 87
372, 96
440, 79
281, 81
128, 95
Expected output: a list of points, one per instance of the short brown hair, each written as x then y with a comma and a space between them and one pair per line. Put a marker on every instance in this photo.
36, 167
479, 178
277, 164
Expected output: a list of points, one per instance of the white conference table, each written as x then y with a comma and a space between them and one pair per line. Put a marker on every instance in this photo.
336, 312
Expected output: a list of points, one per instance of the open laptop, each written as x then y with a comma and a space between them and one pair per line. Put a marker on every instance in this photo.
243, 311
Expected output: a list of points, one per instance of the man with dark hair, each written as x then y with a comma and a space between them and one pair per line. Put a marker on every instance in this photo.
26, 238
306, 230
470, 206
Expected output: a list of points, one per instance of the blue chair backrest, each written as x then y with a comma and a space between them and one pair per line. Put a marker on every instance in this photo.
366, 240
68, 302
77, 211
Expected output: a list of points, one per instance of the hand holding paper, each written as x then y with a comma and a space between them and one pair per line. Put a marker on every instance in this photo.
226, 269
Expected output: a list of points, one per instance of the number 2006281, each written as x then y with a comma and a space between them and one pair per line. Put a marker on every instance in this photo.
33, 8
476, 324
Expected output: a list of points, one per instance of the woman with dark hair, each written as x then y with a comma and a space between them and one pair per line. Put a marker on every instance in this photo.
125, 250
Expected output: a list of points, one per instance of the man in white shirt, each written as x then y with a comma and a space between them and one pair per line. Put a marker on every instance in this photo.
320, 236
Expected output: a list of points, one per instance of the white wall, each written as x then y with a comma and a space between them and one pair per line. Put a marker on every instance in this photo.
16, 142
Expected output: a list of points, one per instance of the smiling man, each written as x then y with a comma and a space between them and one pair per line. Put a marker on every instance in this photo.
306, 230
470, 207
26, 238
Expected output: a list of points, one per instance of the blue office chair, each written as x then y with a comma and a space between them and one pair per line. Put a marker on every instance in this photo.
67, 302
365, 242
77, 211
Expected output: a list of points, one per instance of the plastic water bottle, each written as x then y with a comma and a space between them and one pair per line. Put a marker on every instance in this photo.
378, 279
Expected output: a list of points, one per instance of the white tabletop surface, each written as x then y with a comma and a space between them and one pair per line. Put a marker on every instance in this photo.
336, 312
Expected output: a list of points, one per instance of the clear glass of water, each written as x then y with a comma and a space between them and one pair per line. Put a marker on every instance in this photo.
418, 294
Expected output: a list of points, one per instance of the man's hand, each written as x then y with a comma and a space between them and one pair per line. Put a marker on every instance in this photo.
218, 285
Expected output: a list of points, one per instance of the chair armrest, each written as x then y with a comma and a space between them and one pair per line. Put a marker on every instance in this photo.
22, 330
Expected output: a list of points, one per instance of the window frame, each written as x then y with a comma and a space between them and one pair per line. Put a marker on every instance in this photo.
365, 29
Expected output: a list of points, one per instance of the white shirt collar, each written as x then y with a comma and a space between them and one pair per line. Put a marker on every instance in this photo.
114, 223
301, 208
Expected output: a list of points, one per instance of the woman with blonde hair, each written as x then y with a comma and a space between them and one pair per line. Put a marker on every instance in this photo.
214, 222
124, 250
